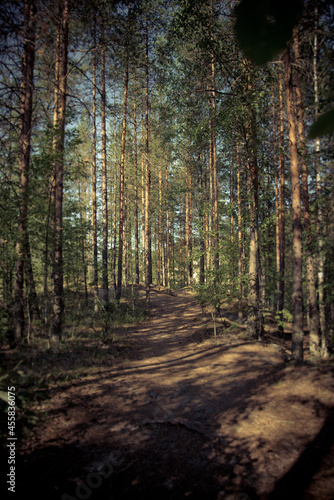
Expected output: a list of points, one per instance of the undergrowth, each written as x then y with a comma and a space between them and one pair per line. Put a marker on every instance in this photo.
93, 338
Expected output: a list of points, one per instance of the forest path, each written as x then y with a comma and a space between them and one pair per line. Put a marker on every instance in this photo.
224, 419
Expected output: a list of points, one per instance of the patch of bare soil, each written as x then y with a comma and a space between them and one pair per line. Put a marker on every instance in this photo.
187, 416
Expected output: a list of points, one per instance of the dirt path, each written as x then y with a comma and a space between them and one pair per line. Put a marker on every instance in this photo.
186, 419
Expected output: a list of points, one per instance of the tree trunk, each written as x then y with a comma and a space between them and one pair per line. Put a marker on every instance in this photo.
167, 230
314, 339
114, 226
319, 213
143, 204
254, 318
207, 217
241, 256
59, 140
83, 242
105, 284
30, 284
202, 223
281, 212
28, 59
137, 277
188, 235
148, 276
297, 296
122, 186
214, 158
161, 229
94, 202
230, 278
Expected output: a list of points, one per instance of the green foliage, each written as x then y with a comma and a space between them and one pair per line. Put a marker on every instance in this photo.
209, 294
107, 323
286, 317
30, 388
264, 27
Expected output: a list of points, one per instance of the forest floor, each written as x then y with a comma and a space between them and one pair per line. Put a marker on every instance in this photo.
173, 413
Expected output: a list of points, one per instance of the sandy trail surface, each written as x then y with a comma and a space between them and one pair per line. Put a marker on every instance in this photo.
184, 416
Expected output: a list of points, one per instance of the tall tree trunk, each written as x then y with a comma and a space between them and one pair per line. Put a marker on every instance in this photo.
28, 59
214, 157
202, 222
122, 208
122, 186
125, 241
136, 177
320, 223
94, 202
191, 234
231, 259
188, 242
297, 296
143, 205
59, 121
254, 318
161, 229
105, 283
276, 188
168, 235
241, 256
314, 339
208, 218
83, 242
148, 277
114, 226
281, 212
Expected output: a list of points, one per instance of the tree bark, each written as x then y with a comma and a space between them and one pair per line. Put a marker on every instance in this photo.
188, 234
241, 256
297, 296
148, 276
314, 338
105, 283
143, 205
161, 229
214, 157
202, 224
281, 217
59, 142
168, 235
94, 202
319, 212
122, 186
254, 318
114, 225
137, 275
27, 82
34, 313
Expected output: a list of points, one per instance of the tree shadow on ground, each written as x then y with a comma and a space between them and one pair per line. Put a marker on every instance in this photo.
171, 465
169, 457
175, 424
296, 481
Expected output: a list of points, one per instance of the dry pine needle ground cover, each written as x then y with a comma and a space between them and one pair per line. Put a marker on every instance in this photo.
177, 414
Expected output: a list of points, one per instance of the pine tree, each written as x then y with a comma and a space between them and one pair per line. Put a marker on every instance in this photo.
23, 258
